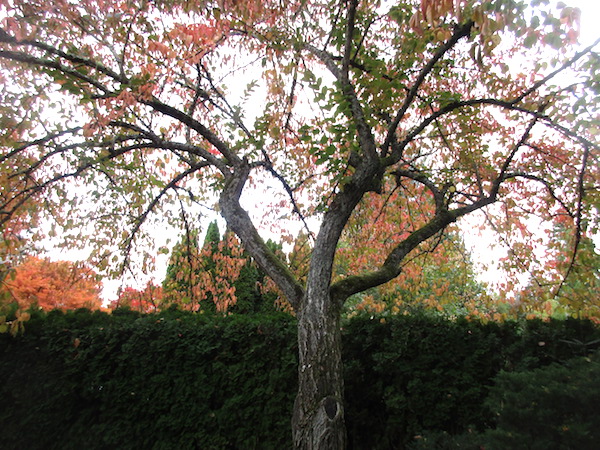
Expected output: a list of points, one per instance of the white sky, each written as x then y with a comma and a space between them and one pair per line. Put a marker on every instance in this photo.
590, 19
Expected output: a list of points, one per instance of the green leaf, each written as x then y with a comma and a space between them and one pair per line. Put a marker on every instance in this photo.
530, 40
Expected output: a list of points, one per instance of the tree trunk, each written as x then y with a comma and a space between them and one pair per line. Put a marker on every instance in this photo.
318, 421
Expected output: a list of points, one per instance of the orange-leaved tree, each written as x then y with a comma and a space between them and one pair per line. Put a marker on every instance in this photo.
52, 285
217, 277
566, 282
439, 275
147, 300
126, 112
202, 278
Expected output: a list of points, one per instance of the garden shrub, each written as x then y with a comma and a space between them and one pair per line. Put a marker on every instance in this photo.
549, 408
554, 407
423, 374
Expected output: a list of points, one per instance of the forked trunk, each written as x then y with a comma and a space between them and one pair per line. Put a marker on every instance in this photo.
318, 421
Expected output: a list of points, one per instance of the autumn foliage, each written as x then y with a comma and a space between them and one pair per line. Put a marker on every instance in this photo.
147, 300
201, 278
52, 285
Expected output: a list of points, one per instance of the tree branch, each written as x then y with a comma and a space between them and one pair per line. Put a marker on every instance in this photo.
207, 134
551, 75
288, 189
391, 268
460, 32
240, 223
8, 39
139, 221
578, 217
50, 64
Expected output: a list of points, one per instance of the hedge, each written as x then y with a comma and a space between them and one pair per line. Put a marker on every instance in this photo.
177, 380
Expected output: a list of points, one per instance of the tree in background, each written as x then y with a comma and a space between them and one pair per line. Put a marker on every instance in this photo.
440, 276
52, 285
147, 300
442, 279
566, 282
183, 272
202, 279
15, 239
219, 276
255, 291
136, 108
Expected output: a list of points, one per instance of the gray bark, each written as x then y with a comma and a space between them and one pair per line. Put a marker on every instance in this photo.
318, 421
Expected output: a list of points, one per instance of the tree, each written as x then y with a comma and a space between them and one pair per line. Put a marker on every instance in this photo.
182, 272
147, 300
254, 291
567, 282
442, 279
440, 275
137, 106
203, 279
217, 277
14, 239
52, 285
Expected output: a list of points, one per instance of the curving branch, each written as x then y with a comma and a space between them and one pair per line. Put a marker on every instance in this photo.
240, 223
510, 104
392, 267
554, 73
290, 192
139, 221
189, 121
547, 185
51, 64
578, 218
419, 177
76, 60
40, 141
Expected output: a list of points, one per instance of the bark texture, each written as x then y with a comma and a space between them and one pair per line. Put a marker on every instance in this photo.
318, 420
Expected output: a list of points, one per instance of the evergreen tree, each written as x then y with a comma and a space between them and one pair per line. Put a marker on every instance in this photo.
182, 272
253, 291
219, 276
213, 236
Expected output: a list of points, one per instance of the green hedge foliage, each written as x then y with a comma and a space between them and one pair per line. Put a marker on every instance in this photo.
178, 380
552, 407
171, 381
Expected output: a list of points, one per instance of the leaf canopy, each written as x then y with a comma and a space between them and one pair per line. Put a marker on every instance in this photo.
117, 115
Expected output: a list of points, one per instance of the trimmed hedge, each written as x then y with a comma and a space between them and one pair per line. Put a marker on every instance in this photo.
422, 373
177, 380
